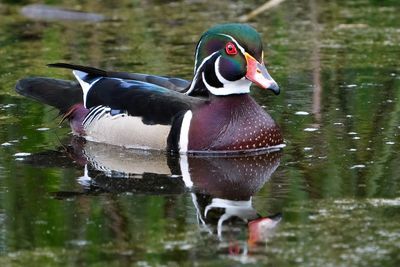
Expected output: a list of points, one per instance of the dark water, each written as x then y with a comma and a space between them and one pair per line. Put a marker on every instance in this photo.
330, 198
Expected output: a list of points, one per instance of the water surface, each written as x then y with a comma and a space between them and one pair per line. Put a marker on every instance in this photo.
331, 197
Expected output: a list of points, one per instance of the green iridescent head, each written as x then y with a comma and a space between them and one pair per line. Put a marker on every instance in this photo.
228, 58
218, 36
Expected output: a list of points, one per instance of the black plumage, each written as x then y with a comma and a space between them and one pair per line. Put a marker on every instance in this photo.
153, 103
61, 94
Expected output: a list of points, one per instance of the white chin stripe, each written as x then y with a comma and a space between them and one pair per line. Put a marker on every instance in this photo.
80, 75
184, 134
241, 86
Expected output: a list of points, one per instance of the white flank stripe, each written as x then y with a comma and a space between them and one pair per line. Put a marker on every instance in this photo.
85, 86
184, 134
91, 115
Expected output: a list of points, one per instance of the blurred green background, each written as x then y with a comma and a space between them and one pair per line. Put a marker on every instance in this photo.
338, 184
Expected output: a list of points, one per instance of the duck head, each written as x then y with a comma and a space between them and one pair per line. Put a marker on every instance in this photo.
228, 58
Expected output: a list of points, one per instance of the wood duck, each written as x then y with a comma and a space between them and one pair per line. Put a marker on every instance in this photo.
212, 113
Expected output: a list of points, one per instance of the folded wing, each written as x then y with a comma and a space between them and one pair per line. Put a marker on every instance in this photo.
153, 103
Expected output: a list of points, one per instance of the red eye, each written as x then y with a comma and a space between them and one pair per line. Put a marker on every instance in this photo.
230, 49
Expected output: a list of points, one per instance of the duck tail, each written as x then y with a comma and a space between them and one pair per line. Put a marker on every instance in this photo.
61, 94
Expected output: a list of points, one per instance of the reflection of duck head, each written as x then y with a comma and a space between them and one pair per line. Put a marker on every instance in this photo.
224, 188
221, 187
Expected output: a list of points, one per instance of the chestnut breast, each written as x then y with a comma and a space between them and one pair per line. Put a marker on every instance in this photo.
234, 122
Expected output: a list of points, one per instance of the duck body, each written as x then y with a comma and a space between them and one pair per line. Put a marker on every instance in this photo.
212, 113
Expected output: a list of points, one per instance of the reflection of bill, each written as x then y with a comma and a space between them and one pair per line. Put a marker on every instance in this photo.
259, 232
220, 211
221, 187
222, 195
262, 229
230, 220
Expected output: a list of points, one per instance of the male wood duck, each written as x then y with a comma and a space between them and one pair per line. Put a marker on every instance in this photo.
212, 113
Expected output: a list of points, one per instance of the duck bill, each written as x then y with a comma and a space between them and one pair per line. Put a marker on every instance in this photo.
258, 74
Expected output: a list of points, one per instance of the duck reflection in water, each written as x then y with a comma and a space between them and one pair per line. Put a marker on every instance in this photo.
221, 188
222, 196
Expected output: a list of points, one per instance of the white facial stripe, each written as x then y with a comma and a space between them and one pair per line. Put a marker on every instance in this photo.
236, 42
241, 86
184, 134
210, 88
237, 87
79, 75
197, 73
195, 56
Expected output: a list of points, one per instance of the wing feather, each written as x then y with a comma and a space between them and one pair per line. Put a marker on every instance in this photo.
154, 98
155, 104
175, 84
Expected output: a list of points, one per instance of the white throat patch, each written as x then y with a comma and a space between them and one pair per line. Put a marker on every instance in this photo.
241, 86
